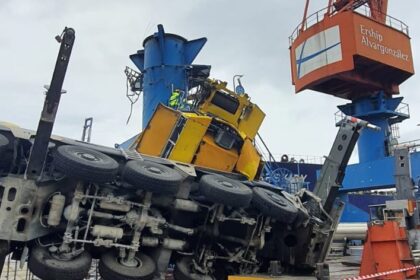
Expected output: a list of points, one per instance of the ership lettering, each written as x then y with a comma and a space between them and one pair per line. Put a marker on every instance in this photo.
373, 39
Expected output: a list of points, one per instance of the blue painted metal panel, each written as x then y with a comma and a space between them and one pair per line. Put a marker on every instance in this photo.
381, 111
415, 167
127, 143
164, 62
357, 206
310, 170
351, 213
372, 143
370, 175
378, 174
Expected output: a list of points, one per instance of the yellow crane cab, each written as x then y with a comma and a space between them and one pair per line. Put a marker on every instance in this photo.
214, 128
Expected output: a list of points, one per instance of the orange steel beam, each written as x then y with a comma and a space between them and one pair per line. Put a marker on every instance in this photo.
379, 9
305, 13
330, 5
352, 77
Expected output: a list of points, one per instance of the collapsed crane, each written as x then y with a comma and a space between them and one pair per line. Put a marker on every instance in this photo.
138, 212
215, 131
186, 192
355, 51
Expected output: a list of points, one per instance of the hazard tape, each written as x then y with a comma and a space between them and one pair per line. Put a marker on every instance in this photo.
371, 276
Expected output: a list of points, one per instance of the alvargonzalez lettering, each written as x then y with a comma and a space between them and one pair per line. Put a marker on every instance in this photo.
373, 39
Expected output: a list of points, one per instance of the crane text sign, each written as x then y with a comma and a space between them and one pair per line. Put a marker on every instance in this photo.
382, 43
374, 39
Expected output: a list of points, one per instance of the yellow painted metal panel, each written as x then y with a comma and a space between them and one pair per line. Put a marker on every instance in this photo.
249, 160
190, 138
250, 124
155, 136
233, 118
208, 107
210, 155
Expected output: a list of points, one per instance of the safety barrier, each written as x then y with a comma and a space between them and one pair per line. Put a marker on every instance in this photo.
373, 276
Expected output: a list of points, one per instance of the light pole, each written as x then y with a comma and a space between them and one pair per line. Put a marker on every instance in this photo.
234, 77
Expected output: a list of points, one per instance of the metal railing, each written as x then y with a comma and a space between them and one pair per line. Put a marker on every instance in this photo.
412, 144
364, 10
292, 158
389, 20
339, 117
403, 108
308, 22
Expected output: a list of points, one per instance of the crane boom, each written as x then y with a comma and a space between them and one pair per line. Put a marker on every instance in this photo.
52, 99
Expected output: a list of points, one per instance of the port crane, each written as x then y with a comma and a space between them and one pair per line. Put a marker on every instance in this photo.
356, 51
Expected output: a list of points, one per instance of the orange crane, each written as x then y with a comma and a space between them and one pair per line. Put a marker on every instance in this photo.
364, 57
375, 53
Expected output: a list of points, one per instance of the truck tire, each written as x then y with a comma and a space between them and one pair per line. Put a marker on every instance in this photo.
152, 177
183, 271
274, 205
110, 267
47, 267
220, 189
85, 164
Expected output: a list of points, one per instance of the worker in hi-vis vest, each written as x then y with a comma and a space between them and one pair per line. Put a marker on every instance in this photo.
174, 99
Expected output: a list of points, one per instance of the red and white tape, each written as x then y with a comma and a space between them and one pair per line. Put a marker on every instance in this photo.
372, 276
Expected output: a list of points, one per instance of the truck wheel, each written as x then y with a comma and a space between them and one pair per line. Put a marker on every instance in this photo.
85, 164
110, 267
274, 205
220, 189
49, 267
153, 177
184, 271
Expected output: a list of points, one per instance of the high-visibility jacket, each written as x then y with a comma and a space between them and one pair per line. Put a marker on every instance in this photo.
174, 99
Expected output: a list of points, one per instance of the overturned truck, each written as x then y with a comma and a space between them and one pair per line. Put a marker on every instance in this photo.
64, 202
